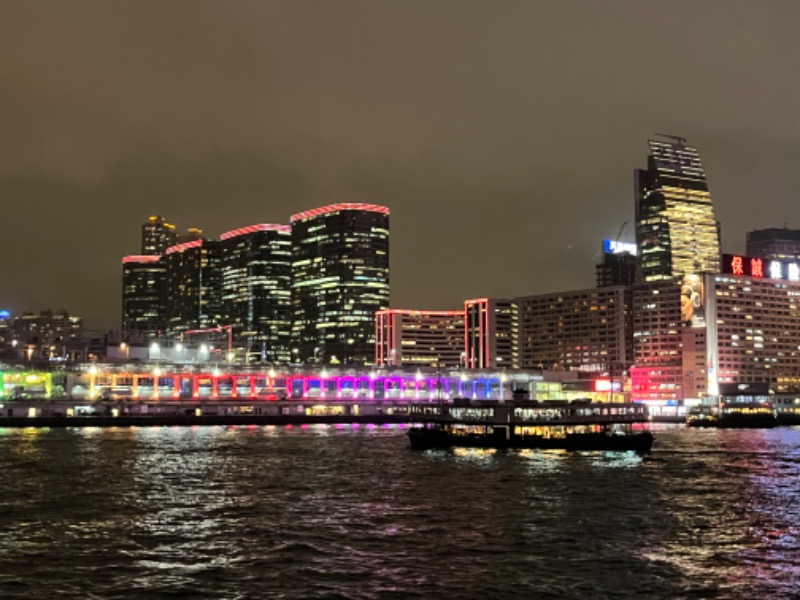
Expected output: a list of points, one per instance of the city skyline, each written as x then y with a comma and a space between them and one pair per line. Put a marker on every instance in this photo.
508, 160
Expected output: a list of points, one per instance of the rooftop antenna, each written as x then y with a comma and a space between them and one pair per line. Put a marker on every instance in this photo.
677, 138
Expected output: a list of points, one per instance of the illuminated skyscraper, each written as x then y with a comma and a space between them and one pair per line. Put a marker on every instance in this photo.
157, 236
192, 283
143, 296
256, 281
677, 233
340, 279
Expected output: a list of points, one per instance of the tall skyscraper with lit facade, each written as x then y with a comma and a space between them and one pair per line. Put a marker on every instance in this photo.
340, 279
256, 279
677, 233
192, 280
157, 236
143, 296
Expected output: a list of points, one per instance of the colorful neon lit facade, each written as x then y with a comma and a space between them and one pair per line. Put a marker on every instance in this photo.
167, 383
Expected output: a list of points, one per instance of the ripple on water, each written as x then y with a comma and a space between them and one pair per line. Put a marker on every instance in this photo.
330, 512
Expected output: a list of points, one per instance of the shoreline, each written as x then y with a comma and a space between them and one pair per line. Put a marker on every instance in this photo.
193, 420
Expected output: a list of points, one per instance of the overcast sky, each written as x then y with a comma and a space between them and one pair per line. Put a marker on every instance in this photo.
503, 135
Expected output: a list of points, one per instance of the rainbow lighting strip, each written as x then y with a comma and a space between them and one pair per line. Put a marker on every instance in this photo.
315, 212
162, 383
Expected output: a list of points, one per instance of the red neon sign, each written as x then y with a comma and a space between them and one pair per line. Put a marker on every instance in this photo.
756, 267
737, 266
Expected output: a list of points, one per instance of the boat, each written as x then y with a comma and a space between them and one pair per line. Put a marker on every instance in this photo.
550, 425
787, 409
734, 415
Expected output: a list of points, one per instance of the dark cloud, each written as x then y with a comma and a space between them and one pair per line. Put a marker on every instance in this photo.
503, 135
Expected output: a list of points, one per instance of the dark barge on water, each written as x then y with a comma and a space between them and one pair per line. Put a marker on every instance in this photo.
526, 424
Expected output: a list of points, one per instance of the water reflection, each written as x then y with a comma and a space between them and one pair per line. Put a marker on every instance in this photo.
328, 511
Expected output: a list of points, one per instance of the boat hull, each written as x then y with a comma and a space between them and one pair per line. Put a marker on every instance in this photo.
423, 438
737, 421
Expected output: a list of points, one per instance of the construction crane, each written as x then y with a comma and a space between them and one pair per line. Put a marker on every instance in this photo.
677, 138
621, 229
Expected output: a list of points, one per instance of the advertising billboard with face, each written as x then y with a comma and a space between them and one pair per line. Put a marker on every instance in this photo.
693, 301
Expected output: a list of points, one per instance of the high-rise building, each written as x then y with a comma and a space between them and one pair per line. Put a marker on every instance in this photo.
143, 296
776, 243
256, 279
157, 236
577, 330
193, 271
419, 338
677, 233
340, 279
657, 342
753, 308
491, 333
617, 265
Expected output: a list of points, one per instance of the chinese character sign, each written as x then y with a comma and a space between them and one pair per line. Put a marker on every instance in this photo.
751, 266
756, 267
737, 267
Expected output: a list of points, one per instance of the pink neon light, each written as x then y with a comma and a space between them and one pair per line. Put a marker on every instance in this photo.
315, 212
141, 258
253, 229
184, 246
476, 300
430, 313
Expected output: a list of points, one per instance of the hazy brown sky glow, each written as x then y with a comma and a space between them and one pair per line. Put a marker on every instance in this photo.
503, 135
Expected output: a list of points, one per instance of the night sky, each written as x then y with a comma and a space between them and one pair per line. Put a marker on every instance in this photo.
503, 135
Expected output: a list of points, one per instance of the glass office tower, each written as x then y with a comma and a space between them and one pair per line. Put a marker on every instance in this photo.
192, 278
340, 279
256, 279
677, 233
143, 296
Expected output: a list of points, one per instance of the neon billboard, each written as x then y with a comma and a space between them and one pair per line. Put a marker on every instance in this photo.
760, 268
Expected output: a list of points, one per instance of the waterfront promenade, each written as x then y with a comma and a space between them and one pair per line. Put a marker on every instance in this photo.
77, 413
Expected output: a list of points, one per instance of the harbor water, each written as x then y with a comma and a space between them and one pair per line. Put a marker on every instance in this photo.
346, 511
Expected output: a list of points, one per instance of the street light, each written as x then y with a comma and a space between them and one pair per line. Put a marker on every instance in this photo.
154, 347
